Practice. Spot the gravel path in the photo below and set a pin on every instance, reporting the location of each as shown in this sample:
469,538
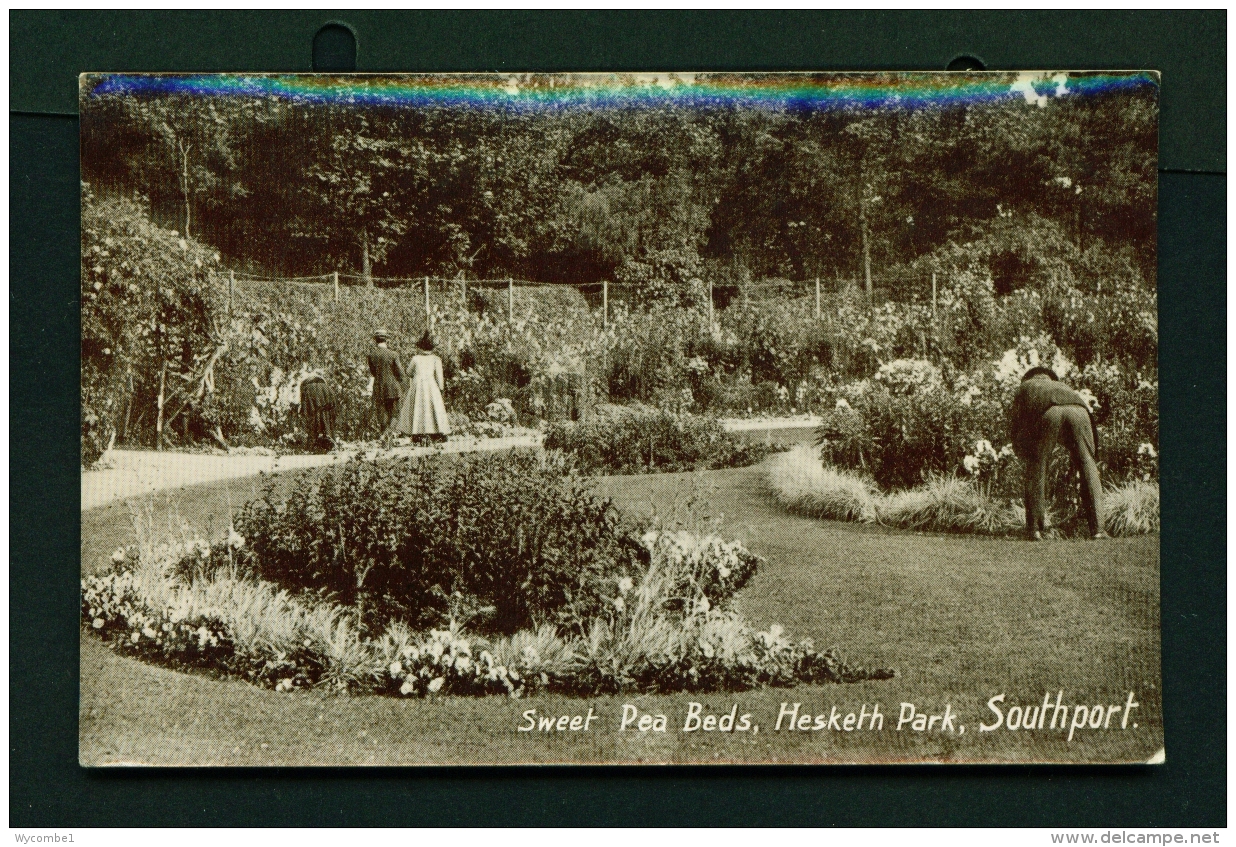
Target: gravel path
133,472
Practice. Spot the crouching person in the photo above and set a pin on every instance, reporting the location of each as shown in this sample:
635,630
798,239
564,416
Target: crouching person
317,408
1045,412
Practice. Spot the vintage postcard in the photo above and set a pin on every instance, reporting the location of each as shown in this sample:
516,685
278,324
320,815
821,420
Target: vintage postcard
619,418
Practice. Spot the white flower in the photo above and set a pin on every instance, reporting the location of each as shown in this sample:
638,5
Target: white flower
842,403
1146,449
462,664
396,668
620,604
435,685
235,540
1092,402
775,630
409,685
703,605
723,571
625,584
119,555
97,623
971,464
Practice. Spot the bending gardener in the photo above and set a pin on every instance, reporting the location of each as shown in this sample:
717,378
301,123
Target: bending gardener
1046,412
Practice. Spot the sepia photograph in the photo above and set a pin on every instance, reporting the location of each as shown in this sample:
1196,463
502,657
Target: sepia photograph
619,418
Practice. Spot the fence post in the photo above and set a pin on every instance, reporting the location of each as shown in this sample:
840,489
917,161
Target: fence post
510,299
335,279
231,284
817,298
605,304
710,305
159,419
427,315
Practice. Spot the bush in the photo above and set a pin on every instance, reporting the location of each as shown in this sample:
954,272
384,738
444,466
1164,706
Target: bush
627,440
97,432
146,297
1106,326
902,439
515,539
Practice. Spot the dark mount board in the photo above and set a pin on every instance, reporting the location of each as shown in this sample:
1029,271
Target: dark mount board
47,788
49,49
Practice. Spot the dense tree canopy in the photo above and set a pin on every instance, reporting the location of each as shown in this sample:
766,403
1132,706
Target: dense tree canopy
655,195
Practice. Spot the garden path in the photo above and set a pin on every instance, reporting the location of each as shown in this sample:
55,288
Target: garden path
133,472
129,473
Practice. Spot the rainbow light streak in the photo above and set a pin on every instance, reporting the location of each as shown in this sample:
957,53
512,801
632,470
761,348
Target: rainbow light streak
559,92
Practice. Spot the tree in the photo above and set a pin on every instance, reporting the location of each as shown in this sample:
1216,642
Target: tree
348,184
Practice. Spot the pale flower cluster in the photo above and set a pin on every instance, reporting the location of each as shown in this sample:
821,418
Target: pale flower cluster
985,461
909,376
702,556
1030,353
445,659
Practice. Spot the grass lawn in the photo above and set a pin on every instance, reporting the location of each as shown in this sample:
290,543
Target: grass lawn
961,619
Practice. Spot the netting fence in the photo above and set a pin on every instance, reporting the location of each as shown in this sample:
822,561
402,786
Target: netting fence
816,297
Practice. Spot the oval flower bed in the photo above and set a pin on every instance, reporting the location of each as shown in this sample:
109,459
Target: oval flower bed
658,619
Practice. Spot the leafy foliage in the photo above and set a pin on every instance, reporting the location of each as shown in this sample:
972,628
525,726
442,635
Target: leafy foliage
654,195
146,319
514,539
625,440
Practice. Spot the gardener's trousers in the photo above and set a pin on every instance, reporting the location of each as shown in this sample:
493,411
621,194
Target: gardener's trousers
1070,426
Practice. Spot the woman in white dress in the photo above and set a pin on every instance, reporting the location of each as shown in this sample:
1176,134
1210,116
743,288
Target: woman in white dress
423,415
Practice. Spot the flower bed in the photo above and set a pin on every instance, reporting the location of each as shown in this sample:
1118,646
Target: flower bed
511,540
802,484
629,440
188,607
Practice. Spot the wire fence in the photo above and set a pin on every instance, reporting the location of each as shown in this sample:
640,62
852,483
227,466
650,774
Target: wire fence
817,293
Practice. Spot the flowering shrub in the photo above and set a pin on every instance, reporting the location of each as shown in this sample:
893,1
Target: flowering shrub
1105,326
999,471
909,376
912,420
625,440
703,567
902,439
515,539
147,296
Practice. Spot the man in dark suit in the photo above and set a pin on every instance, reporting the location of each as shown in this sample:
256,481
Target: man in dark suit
387,380
1045,412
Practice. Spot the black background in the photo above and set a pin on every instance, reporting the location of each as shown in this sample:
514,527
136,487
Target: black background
47,788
